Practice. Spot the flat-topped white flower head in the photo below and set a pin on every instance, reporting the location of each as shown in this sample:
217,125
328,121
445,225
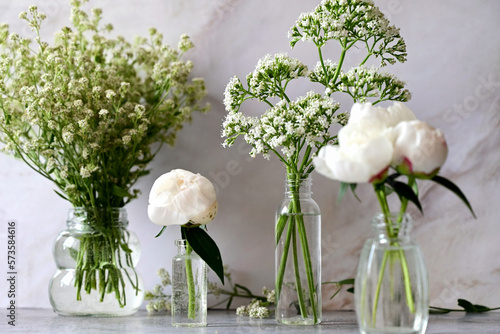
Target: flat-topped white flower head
181,197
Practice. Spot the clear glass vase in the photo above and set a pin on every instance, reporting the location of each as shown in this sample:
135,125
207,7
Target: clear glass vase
391,289
189,287
96,258
298,255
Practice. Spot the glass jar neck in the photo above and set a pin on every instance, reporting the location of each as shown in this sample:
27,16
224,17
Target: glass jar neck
298,185
392,228
181,245
88,219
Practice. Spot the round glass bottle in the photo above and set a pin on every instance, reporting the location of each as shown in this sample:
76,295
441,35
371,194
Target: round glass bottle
298,255
391,289
189,287
96,258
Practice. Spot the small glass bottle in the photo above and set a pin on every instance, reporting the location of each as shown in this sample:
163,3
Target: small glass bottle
189,287
391,289
298,255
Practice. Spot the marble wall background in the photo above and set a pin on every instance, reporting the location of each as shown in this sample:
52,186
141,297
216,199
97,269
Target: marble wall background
453,71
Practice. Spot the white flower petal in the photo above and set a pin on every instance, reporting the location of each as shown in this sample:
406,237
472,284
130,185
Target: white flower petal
421,147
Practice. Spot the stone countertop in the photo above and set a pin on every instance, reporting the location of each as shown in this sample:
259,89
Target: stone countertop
226,322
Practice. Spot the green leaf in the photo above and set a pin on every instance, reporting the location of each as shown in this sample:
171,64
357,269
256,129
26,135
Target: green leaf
353,189
206,248
404,190
120,192
454,188
161,231
472,308
339,284
342,191
61,195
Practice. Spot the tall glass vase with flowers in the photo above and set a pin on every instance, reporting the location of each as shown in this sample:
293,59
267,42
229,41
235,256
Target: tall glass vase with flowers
84,112
183,198
294,130
381,146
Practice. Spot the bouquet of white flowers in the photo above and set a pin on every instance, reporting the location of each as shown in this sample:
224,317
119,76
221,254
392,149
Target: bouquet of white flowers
84,113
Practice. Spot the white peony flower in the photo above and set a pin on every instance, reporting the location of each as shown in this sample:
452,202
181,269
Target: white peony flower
356,163
180,197
376,138
419,148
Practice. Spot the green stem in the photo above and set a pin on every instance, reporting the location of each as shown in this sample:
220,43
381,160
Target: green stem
392,235
379,286
284,257
309,272
299,218
298,283
190,283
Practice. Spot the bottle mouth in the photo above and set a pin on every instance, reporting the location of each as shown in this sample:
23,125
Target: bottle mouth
180,242
80,217
392,226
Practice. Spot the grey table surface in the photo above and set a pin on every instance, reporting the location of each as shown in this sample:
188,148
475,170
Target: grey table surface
227,322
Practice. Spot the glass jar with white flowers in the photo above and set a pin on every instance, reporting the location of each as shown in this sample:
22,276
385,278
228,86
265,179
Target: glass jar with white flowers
381,146
295,129
84,112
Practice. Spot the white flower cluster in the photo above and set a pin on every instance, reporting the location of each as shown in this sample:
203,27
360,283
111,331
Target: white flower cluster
87,113
158,300
362,82
287,127
272,69
256,309
350,21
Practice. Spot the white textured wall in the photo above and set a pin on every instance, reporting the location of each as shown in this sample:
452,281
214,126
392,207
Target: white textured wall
453,71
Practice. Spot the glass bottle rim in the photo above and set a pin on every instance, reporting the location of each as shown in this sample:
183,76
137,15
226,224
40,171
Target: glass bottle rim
85,218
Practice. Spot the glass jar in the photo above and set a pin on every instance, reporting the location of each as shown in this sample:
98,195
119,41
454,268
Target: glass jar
96,258
298,255
189,287
391,288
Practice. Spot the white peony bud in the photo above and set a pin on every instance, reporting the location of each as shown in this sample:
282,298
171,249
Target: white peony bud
180,197
419,149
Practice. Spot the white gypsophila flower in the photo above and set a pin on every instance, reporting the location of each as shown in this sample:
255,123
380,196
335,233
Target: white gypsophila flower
78,103
126,139
64,172
110,94
260,312
103,112
242,311
68,137
85,172
85,153
185,43
179,197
